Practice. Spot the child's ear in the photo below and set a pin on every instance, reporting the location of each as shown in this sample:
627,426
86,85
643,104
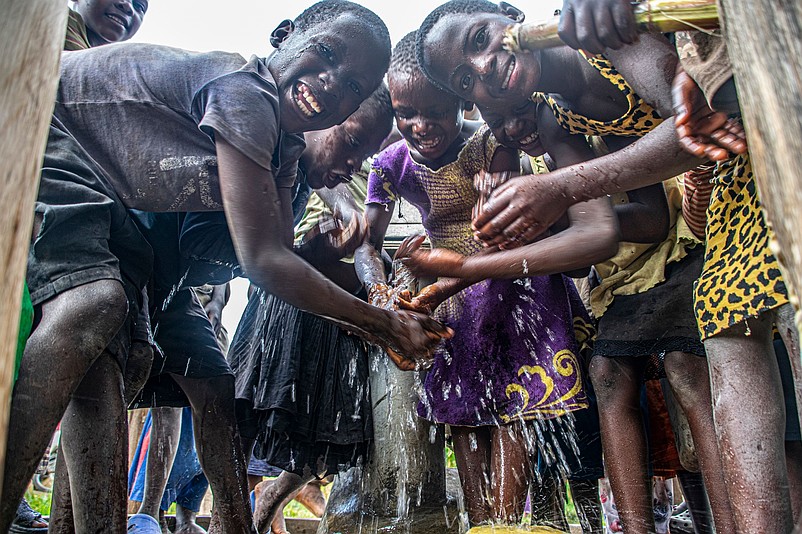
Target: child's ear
282,31
467,106
512,12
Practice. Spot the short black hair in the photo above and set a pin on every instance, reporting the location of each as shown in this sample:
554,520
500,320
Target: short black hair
326,10
404,60
462,7
379,108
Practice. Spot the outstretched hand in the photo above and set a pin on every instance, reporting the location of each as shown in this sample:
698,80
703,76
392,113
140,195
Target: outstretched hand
520,210
596,25
426,301
703,132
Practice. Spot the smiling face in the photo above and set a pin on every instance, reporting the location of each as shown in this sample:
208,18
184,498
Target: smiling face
515,126
429,119
333,155
464,53
325,72
111,21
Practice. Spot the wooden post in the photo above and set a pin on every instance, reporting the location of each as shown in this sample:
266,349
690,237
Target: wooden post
31,39
764,39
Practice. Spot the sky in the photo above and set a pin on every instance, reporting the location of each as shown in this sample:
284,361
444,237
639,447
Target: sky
244,26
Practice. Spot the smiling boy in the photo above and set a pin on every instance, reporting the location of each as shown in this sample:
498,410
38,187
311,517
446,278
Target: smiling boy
161,129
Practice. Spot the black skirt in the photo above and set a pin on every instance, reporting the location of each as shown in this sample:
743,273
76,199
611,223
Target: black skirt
302,388
657,321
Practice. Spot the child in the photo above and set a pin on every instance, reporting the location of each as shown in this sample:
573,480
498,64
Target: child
99,22
501,369
202,132
118,21
302,390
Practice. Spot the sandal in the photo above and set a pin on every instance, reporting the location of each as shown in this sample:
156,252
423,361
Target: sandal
27,520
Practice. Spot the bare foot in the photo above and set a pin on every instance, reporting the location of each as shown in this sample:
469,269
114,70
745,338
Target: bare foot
279,526
312,498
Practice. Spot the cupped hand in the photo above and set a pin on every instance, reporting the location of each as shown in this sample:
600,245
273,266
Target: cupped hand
411,338
703,132
520,210
596,25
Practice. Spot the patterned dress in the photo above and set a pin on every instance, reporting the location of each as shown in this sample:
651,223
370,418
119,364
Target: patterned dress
514,352
740,277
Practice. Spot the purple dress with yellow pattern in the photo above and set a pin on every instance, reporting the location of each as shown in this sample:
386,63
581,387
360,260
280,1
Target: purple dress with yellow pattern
514,351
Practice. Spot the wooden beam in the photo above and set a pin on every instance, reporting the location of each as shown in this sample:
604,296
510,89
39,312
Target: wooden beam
31,39
764,39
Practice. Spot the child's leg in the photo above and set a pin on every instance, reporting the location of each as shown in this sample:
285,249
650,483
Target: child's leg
750,422
689,379
472,452
588,507
312,498
617,386
186,521
547,503
793,459
274,497
61,520
165,434
693,488
75,327
219,449
94,435
510,473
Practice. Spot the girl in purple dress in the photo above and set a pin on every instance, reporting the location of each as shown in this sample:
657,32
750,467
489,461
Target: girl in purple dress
513,357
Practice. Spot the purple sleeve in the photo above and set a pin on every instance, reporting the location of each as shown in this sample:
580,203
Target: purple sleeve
383,176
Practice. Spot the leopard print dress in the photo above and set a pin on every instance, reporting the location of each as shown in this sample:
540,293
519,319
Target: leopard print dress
741,277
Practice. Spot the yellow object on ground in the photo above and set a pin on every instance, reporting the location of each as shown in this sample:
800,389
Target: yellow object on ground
509,529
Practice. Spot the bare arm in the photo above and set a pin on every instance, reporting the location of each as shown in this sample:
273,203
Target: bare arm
258,228
591,236
645,218
530,206
367,258
214,309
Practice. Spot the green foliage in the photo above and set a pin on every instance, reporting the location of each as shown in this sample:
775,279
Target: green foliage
39,501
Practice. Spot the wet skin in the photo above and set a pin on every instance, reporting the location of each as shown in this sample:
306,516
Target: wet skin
515,126
333,155
596,25
465,55
323,74
429,120
111,21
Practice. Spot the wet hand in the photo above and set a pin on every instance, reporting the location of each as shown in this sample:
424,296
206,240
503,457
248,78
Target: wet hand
703,132
435,262
411,338
381,296
426,301
596,25
520,210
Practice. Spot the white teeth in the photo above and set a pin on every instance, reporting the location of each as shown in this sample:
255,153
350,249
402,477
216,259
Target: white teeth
117,19
529,139
509,74
428,144
309,98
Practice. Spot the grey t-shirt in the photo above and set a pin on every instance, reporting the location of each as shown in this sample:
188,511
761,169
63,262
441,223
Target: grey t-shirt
147,114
